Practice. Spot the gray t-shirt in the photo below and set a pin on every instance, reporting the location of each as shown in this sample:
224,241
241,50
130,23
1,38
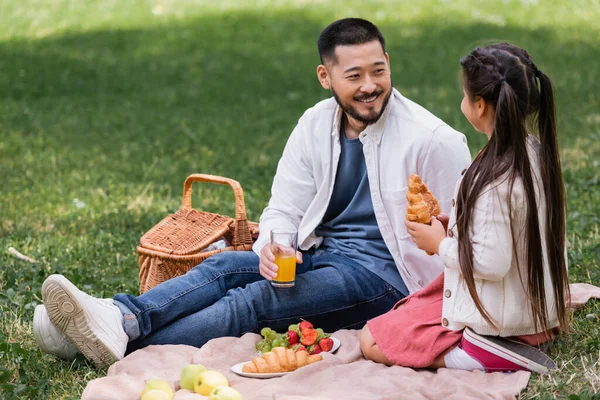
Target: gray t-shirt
349,225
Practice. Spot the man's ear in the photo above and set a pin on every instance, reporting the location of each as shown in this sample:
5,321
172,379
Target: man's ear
323,76
387,59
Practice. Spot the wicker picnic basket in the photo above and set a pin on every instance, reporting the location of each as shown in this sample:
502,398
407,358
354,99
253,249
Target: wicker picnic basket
178,242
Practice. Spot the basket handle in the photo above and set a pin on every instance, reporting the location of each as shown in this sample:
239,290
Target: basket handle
241,234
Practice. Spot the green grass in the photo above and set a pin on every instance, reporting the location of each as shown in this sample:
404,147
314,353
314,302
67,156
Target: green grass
110,104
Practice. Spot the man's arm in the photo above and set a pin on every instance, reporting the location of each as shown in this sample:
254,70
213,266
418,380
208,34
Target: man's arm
445,158
293,188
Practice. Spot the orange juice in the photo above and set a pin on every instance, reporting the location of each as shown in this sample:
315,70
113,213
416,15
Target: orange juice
287,268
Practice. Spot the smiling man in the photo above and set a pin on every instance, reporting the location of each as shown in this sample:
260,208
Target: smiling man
362,76
341,184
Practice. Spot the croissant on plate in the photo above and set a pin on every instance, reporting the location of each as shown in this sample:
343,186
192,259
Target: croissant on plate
422,205
280,359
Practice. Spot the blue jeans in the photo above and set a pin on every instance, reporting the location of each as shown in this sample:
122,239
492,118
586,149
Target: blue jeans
227,296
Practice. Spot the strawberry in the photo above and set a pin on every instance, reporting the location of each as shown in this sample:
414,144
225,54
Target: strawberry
299,347
309,336
293,337
326,344
304,325
314,349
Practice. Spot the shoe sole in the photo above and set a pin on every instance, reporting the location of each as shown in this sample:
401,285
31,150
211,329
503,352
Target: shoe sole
515,352
67,314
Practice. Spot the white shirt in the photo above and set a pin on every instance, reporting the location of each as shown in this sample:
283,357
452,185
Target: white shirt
496,264
406,140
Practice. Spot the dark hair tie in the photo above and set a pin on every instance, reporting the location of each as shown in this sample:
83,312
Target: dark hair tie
501,81
538,73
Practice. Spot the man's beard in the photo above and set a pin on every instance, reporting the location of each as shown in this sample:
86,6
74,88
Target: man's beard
353,112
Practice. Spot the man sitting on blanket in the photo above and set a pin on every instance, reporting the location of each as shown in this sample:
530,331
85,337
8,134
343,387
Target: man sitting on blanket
340,183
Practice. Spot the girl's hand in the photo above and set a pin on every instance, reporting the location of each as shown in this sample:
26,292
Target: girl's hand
444,219
427,237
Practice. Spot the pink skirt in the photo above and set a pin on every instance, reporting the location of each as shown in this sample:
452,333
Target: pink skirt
411,334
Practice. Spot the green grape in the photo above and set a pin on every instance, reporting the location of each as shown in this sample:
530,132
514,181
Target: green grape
266,347
320,333
277,342
259,344
294,327
272,335
265,331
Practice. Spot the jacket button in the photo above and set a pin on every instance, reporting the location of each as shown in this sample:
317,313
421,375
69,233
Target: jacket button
447,293
450,233
453,203
445,322
463,171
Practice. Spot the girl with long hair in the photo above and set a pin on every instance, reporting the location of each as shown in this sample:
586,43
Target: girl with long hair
505,285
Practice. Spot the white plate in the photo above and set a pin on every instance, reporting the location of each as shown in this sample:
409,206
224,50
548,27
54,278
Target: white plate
336,344
237,368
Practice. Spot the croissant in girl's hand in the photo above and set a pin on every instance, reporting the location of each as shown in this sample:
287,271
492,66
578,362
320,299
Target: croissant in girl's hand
422,205
280,359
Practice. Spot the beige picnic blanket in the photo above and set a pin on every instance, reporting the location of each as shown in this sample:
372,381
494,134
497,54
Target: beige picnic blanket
345,375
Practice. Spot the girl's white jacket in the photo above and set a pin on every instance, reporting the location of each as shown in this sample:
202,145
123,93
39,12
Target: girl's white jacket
496,265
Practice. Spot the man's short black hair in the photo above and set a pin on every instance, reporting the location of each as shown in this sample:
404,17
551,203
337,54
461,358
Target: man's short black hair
344,32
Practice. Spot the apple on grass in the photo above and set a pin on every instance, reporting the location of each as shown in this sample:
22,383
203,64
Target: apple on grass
157,384
224,393
189,374
156,394
209,380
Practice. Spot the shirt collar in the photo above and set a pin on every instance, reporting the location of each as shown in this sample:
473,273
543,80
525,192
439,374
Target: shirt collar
375,130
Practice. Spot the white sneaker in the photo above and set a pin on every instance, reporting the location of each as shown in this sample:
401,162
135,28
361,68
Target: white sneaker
49,338
93,325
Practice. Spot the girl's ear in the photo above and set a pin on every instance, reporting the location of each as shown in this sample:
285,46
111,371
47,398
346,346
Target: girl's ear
481,107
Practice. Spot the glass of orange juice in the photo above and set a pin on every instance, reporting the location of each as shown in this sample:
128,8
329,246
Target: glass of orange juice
284,245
